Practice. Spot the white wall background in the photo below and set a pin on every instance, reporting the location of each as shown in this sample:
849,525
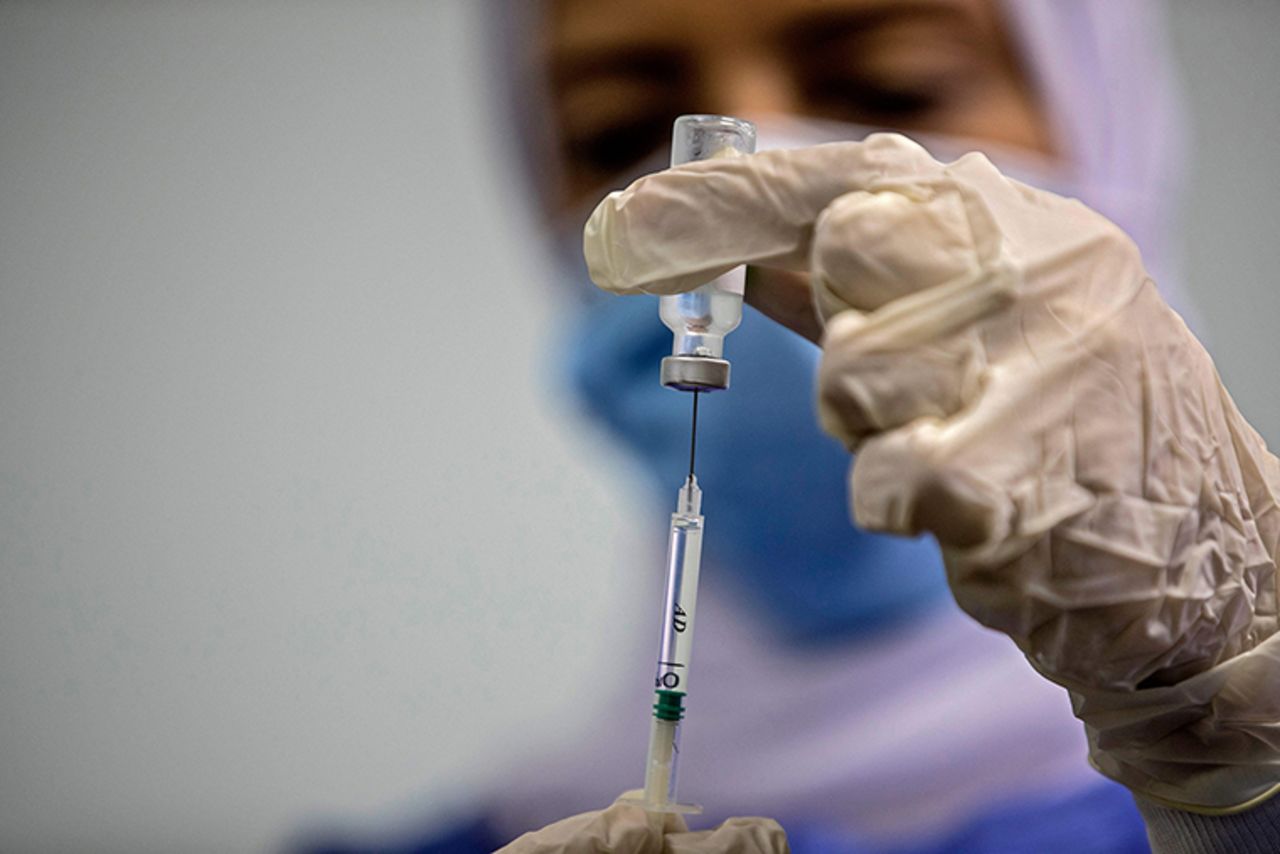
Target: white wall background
1231,75
289,526
291,521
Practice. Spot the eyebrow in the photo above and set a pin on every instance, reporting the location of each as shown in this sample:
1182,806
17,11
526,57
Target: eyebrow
829,25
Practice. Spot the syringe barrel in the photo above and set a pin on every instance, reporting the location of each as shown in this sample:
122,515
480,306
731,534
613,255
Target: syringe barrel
680,602
679,608
701,318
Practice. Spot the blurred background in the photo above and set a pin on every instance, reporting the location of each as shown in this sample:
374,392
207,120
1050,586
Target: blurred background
298,527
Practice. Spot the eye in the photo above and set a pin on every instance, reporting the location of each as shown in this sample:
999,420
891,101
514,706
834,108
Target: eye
905,66
615,148
897,104
876,103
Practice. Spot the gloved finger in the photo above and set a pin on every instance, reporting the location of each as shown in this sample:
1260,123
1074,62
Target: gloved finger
905,482
735,836
677,229
919,356
990,479
865,391
927,266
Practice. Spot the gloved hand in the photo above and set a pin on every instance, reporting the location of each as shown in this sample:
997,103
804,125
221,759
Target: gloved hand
628,829
1011,382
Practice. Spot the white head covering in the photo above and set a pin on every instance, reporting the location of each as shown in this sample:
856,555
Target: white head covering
1104,72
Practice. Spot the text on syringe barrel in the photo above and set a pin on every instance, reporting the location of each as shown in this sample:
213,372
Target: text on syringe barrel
684,558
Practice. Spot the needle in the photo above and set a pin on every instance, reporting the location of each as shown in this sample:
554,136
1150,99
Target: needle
693,434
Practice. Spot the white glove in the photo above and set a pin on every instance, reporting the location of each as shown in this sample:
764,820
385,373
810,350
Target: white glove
628,829
1012,383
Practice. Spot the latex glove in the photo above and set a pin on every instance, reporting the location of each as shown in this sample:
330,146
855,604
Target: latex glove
1011,382
628,829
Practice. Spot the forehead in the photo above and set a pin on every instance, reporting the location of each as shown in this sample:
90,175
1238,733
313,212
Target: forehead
591,24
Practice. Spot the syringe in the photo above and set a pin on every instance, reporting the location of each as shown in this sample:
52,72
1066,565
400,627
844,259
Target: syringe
699,320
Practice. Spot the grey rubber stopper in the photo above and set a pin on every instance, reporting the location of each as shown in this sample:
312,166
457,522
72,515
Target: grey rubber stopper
695,373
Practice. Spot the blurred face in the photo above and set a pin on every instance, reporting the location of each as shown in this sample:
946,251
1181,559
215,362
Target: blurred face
622,70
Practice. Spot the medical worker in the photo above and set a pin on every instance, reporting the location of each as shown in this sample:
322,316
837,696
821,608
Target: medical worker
1014,393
